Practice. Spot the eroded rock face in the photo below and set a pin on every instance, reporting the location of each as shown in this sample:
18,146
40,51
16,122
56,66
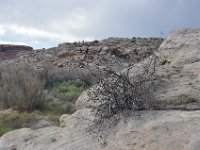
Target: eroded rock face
165,130
7,47
178,69
152,130
12,51
114,52
74,136
84,101
177,72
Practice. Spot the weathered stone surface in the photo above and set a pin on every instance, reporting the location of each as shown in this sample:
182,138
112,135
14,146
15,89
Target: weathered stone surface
177,72
154,130
63,119
167,130
84,101
40,124
73,137
178,69
112,51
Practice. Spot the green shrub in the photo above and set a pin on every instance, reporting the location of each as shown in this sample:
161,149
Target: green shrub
68,90
15,120
4,130
53,118
53,108
26,89
69,108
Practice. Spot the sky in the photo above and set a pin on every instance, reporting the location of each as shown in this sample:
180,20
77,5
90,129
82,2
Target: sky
46,23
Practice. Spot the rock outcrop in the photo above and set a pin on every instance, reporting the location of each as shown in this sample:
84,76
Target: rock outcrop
155,130
12,51
177,73
73,137
114,52
109,52
7,47
178,69
178,87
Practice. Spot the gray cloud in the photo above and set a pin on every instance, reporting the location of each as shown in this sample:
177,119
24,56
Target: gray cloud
45,23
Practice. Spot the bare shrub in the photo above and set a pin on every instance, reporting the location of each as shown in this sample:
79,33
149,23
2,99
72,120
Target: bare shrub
20,88
117,92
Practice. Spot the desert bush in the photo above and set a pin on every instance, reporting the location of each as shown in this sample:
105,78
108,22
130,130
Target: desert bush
20,88
71,89
4,130
53,108
14,120
52,75
117,92
67,92
26,89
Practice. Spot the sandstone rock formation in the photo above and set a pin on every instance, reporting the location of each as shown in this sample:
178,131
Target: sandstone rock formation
166,130
114,52
84,101
178,87
109,52
178,70
73,137
12,51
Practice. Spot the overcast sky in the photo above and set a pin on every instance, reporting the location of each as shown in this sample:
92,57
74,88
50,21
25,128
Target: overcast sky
46,23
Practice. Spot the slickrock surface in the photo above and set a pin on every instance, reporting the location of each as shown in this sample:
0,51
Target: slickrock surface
155,130
179,70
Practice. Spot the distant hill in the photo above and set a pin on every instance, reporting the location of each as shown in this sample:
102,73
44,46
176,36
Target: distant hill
8,51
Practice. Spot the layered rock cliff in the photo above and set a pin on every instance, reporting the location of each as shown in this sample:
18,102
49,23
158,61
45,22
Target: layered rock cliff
13,51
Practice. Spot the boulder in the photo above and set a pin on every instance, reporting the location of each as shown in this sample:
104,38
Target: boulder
63,119
178,69
84,101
